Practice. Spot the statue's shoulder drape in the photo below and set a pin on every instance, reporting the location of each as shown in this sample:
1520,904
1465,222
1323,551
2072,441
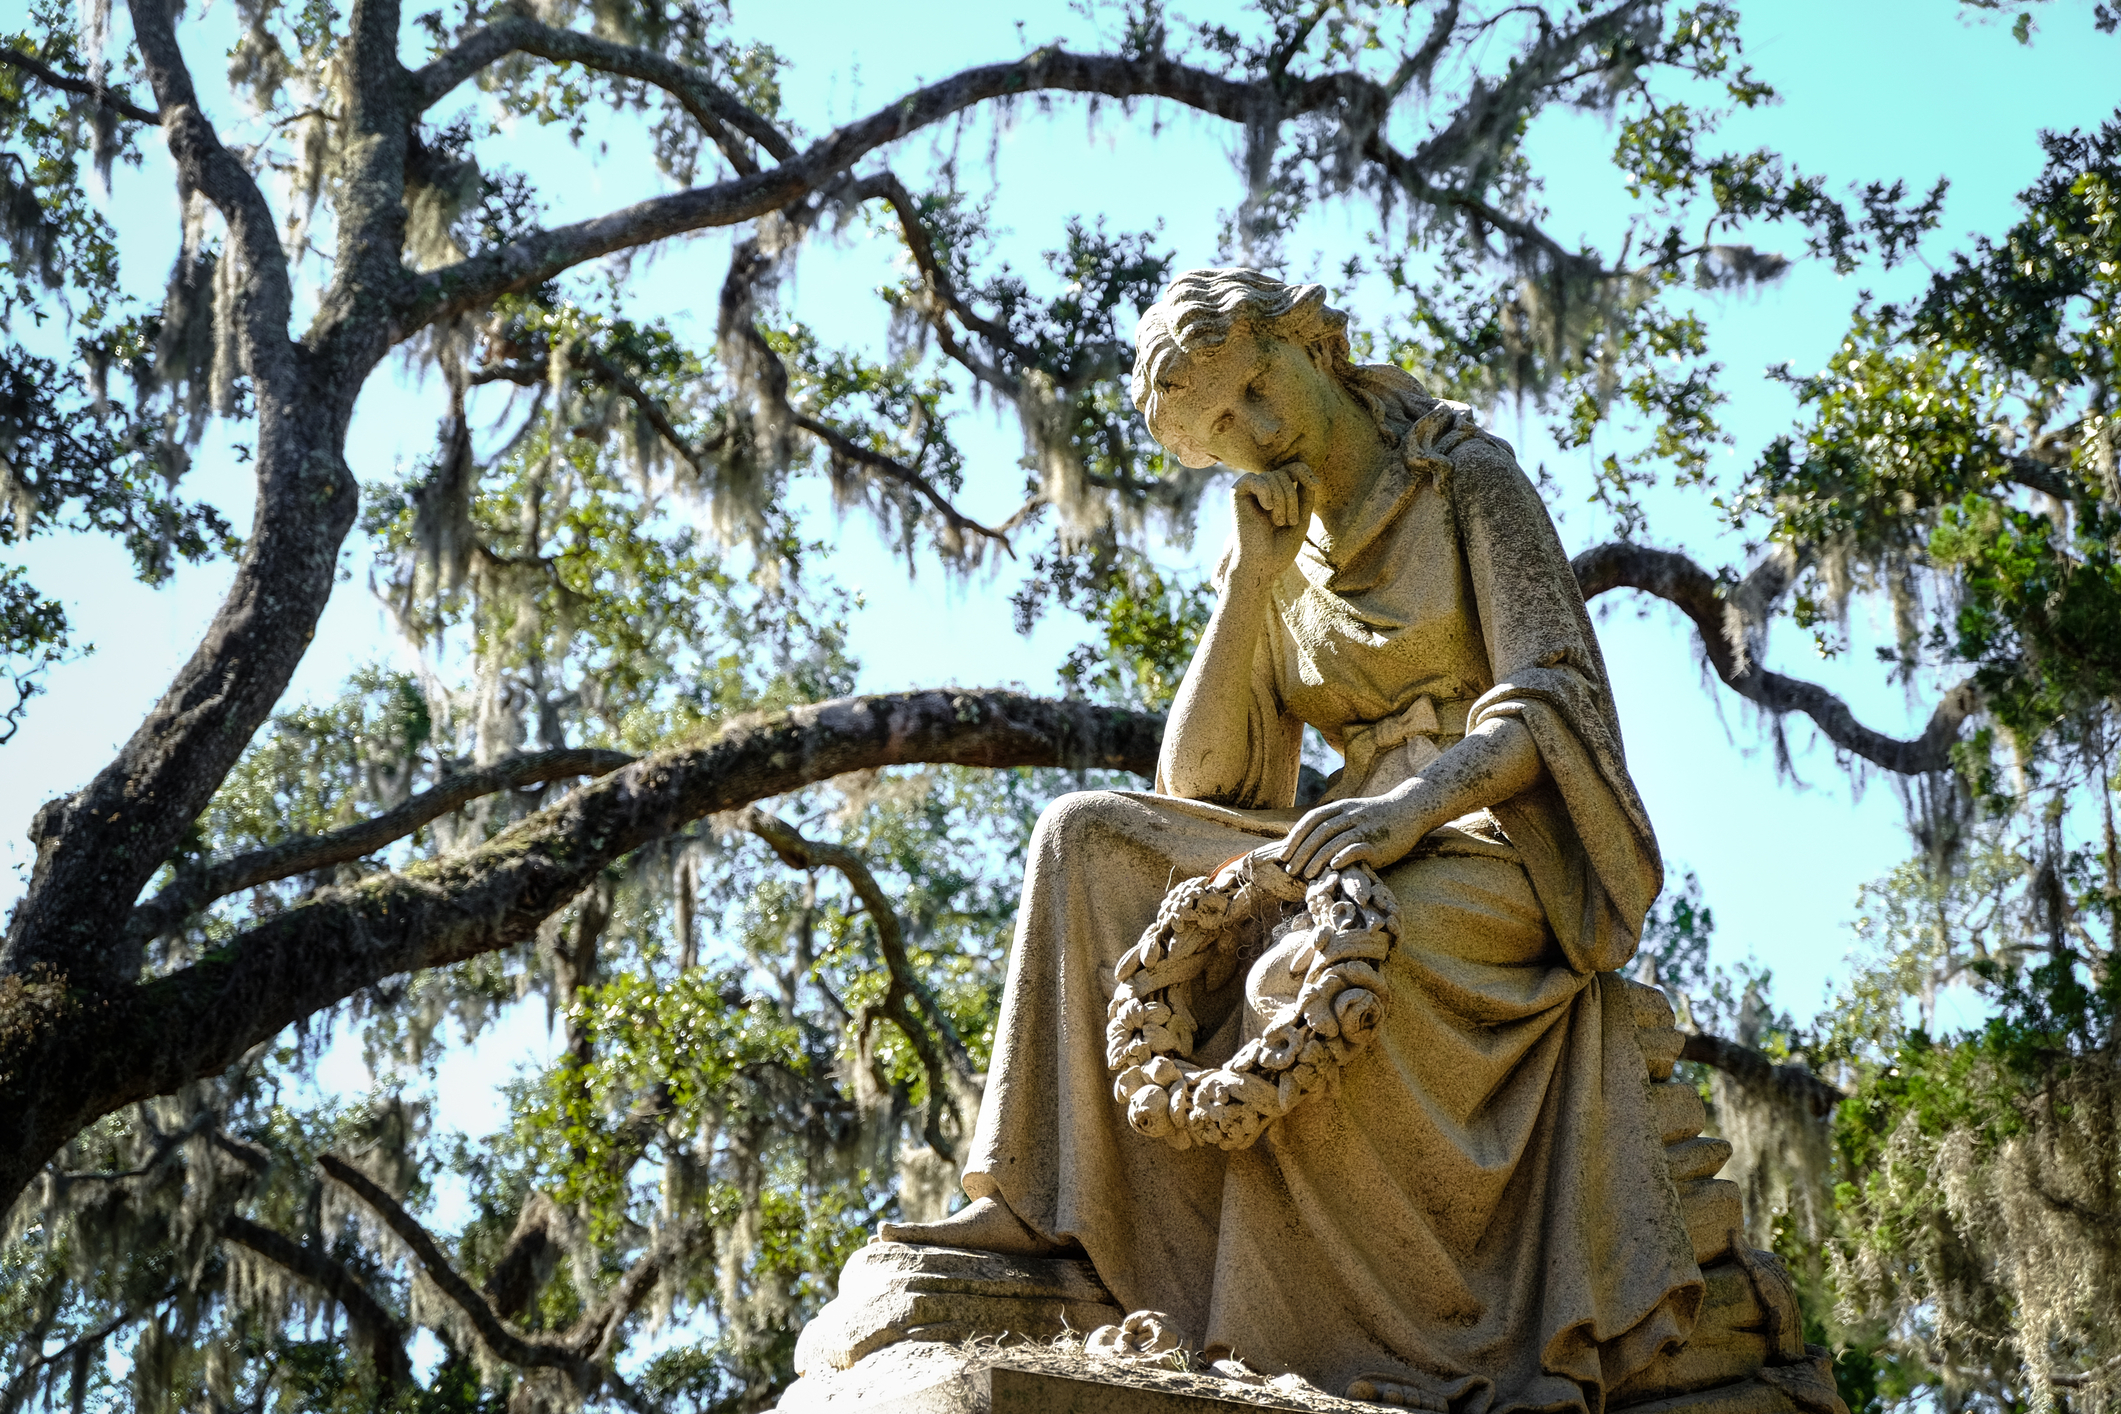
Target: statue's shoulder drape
1583,833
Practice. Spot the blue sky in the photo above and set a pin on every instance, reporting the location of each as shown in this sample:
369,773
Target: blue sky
1881,90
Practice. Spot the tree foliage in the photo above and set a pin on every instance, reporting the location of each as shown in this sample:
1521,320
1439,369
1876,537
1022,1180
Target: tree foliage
1957,465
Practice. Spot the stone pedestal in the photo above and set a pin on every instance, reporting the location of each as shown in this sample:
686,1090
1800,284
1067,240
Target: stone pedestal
919,1377
932,1330
928,1377
891,1292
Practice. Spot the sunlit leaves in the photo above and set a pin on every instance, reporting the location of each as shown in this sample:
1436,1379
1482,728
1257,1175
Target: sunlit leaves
1147,623
33,638
2042,620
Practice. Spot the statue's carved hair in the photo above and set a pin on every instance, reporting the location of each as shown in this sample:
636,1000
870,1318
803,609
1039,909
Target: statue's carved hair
1201,309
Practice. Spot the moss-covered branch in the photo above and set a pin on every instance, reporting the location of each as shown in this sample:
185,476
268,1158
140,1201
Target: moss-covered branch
67,1058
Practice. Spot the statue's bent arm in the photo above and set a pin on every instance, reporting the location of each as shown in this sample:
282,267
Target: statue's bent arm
1493,762
1209,748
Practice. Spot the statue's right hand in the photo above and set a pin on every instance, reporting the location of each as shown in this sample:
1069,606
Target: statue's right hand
1272,511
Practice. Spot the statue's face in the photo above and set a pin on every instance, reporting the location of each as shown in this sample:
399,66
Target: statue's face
1254,403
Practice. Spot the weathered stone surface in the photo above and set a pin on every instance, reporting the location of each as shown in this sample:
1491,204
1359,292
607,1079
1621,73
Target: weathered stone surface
1804,1385
1678,1111
891,1292
1729,1342
928,1377
1711,1209
1808,1383
1652,1008
1752,1396
1701,1157
1661,1046
1699,1364
925,1377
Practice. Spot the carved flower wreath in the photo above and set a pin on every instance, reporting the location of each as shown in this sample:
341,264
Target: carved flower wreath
1349,922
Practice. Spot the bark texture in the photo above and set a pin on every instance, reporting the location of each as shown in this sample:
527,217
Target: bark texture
69,1054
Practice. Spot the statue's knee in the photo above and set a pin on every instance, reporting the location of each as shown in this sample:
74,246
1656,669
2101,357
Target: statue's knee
1073,818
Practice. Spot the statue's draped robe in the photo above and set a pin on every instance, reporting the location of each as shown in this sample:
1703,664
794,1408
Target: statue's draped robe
1482,1210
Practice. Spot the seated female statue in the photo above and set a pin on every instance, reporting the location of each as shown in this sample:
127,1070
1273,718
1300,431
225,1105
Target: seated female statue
1477,1218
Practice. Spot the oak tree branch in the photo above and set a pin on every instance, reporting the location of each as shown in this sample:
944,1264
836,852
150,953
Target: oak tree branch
91,1054
101,93
197,886
942,1052
504,1340
1727,632
1757,1068
375,1330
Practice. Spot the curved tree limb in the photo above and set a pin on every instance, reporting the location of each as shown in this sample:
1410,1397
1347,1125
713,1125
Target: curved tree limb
375,1331
708,105
582,358
1361,102
712,106
91,1054
1755,1067
2080,1378
199,885
511,1282
101,93
652,408
941,1050
2044,477
747,266
943,296
845,448
1730,623
582,1354
520,1348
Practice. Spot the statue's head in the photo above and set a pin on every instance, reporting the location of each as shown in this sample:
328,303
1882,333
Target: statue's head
1204,350
1199,316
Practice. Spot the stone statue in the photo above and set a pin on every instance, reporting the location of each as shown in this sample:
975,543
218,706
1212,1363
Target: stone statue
1354,1092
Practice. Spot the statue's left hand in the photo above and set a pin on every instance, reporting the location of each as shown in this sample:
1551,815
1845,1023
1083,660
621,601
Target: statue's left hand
1374,830
1442,432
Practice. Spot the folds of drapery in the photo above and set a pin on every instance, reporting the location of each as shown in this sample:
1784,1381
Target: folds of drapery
1583,832
1452,588
1482,1211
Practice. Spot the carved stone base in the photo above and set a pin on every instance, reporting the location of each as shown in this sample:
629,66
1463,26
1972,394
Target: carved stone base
904,1313
927,1377
1803,1386
892,1292
919,1377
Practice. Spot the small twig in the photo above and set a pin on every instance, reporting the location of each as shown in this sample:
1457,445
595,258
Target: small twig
652,408
2084,1377
941,1050
167,1146
1278,62
18,1388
